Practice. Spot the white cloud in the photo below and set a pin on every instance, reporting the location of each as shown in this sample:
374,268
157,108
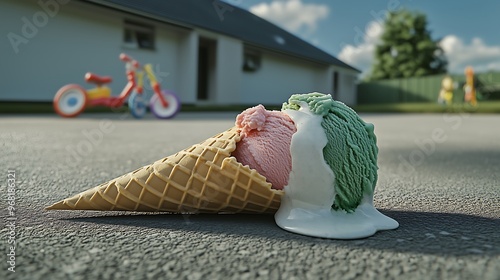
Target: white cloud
292,15
476,54
361,55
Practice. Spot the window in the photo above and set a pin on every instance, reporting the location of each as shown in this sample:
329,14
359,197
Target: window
138,35
251,61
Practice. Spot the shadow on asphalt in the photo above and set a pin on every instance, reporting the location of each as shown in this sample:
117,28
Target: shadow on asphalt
419,232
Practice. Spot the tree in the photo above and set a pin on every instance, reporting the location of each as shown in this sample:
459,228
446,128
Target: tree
407,49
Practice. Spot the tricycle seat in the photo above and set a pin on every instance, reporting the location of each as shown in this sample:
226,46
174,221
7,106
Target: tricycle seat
96,79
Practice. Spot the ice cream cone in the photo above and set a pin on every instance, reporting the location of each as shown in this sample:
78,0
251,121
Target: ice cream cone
204,178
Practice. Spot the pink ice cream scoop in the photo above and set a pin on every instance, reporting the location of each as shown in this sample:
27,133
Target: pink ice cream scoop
265,143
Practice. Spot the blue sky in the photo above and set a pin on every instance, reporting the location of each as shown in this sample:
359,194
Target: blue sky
469,30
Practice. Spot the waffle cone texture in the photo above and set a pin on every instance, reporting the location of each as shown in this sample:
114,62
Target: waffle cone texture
203,178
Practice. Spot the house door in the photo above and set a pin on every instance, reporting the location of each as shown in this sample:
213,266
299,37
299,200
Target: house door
335,95
206,69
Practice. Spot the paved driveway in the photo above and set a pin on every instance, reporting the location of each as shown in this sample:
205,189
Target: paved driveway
439,177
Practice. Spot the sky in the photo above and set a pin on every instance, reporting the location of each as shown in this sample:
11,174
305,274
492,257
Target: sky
468,31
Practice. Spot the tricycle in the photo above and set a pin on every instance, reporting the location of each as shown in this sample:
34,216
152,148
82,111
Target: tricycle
72,99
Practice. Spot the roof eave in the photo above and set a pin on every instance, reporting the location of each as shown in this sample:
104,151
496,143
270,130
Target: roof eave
135,12
192,27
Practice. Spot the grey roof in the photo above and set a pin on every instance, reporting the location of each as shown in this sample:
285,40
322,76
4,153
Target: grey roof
221,17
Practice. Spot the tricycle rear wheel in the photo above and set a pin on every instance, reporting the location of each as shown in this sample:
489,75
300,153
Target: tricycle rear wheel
70,101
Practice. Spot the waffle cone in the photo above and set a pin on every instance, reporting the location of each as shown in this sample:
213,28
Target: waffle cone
204,178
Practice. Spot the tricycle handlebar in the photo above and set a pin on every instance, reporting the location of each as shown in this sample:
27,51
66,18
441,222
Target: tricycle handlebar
127,59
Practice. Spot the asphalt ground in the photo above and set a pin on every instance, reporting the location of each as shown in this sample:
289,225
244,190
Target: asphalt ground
439,177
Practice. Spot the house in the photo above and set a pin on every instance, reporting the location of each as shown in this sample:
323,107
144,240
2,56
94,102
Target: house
206,51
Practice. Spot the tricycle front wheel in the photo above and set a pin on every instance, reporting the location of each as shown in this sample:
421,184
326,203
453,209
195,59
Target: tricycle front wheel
70,101
173,107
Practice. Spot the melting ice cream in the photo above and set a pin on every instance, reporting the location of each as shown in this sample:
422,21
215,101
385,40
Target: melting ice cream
333,172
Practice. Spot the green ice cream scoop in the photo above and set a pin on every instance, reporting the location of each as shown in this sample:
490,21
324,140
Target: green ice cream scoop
351,151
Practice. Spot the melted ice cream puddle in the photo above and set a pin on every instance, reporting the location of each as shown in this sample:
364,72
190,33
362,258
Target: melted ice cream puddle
306,205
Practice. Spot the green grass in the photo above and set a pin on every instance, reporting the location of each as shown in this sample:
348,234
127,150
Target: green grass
483,107
43,108
46,108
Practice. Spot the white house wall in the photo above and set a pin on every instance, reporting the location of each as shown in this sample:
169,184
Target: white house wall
229,61
187,62
78,38
280,76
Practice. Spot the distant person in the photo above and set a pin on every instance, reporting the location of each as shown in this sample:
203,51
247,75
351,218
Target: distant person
469,87
446,93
